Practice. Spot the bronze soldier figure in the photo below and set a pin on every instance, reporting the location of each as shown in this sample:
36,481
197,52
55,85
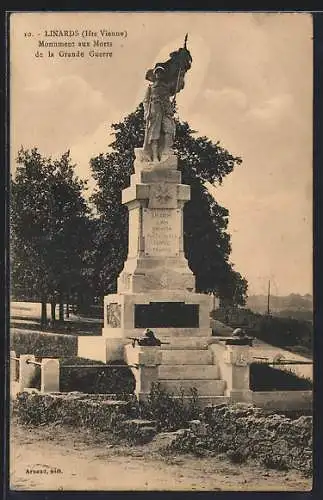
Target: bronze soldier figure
167,80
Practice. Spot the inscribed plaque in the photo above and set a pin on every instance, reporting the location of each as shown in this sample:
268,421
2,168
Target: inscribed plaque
162,231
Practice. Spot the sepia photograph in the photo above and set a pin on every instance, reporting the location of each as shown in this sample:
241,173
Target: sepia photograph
161,242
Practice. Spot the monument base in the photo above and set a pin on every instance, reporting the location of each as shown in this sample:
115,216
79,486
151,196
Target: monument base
180,318
101,348
169,313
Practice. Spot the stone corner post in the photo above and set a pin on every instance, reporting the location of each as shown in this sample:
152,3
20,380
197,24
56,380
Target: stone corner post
49,380
147,360
13,363
26,371
236,372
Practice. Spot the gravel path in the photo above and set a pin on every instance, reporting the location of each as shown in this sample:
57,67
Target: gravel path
60,459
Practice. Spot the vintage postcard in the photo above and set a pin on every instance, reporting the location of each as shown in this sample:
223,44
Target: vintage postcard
161,304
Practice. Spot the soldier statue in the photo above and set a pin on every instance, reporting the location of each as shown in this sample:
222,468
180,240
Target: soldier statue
167,79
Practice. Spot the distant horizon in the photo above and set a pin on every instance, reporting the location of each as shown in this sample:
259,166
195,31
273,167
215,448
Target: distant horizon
277,295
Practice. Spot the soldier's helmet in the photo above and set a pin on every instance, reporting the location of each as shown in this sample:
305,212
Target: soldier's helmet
158,68
238,332
149,333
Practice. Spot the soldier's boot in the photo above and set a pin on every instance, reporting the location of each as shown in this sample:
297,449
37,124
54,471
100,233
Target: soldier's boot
168,145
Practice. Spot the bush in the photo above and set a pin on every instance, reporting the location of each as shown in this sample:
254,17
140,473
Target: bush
92,380
45,345
266,378
170,413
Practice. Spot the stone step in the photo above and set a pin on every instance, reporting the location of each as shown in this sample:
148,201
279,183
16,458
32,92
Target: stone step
183,333
188,371
204,387
187,357
186,342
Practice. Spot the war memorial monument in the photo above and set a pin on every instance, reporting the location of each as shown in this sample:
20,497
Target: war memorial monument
156,288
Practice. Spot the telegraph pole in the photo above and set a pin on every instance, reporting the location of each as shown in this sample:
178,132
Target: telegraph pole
268,299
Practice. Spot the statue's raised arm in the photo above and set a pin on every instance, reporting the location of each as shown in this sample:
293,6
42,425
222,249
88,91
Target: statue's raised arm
167,79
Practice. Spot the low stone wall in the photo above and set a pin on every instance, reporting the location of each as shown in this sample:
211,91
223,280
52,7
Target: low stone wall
283,400
240,431
96,411
243,432
100,413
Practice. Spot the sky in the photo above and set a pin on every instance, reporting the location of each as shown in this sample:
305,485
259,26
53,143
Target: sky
250,87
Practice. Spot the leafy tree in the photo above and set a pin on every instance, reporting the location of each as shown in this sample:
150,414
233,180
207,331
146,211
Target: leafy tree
50,228
206,241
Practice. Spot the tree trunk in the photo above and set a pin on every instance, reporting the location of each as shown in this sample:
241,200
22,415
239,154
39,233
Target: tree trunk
77,302
61,311
53,311
80,303
43,318
67,307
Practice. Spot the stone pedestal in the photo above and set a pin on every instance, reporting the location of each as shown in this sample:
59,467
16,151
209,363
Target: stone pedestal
155,201
156,287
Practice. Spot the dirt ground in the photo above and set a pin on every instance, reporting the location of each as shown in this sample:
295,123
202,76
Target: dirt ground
56,458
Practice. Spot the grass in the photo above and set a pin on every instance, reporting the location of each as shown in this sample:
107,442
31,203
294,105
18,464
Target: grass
266,378
75,327
42,344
